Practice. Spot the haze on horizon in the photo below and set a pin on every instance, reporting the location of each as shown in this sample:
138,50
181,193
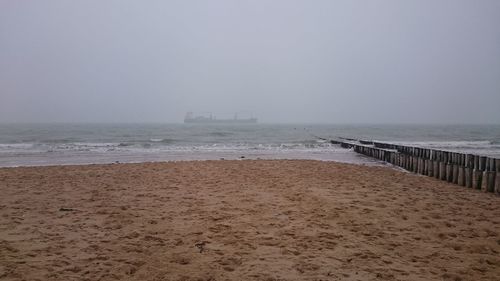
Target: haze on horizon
415,61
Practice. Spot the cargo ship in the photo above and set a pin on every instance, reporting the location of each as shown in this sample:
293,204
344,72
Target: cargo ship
212,119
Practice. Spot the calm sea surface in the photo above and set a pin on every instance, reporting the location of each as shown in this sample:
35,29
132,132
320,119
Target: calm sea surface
55,144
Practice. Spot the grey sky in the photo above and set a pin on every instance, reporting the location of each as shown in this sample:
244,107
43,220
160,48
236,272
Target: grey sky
285,61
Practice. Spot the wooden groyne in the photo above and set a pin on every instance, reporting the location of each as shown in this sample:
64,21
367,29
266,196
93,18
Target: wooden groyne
472,171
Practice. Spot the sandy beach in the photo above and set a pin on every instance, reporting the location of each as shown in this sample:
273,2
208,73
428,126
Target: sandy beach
243,220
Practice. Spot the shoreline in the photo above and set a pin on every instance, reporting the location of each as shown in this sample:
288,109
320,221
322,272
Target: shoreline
34,160
243,220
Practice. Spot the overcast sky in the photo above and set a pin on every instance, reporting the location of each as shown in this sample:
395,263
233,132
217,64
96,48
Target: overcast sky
308,61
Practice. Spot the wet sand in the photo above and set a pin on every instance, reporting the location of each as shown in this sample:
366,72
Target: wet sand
243,220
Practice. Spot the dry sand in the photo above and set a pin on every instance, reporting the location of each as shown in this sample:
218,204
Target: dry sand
243,220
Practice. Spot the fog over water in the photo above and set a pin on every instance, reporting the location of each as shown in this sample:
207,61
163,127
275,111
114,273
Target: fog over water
283,61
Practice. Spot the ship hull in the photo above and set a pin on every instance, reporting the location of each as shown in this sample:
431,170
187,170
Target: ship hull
221,121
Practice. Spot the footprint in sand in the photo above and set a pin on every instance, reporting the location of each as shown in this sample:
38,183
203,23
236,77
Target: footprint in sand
180,260
229,263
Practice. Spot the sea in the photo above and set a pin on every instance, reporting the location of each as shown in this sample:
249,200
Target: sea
63,144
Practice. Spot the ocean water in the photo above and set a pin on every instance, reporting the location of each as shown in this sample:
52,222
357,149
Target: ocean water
56,144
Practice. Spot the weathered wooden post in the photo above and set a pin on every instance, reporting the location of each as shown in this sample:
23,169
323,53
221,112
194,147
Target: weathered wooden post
469,165
442,166
437,159
461,170
461,176
415,159
430,168
449,172
485,169
449,168
426,162
422,161
478,173
490,175
455,168
407,159
410,159
497,176
419,161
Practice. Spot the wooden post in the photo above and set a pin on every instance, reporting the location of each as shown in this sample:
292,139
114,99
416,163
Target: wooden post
409,164
482,163
484,168
468,177
444,162
420,169
462,160
461,170
455,173
424,166
497,176
421,164
476,179
429,163
430,168
484,181
490,186
449,172
435,165
461,176
491,175
469,166
449,168
478,174
442,171
415,160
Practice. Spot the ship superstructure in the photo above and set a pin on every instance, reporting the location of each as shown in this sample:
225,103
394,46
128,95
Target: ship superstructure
212,119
